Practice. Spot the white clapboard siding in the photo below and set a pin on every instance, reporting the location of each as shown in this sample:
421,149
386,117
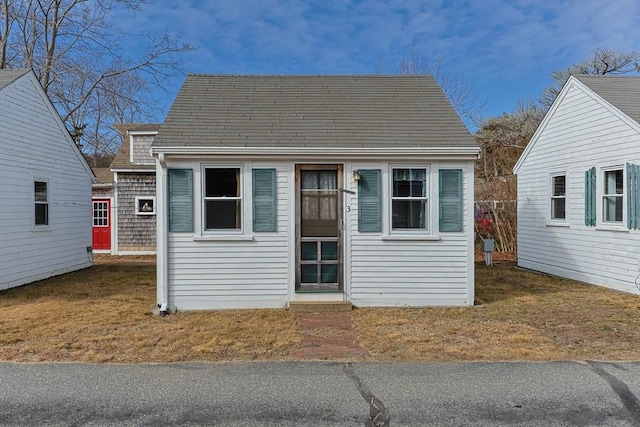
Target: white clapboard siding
581,133
233,274
35,146
387,272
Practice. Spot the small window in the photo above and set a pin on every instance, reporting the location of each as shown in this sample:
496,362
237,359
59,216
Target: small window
558,197
613,195
409,199
41,198
145,205
222,199
100,214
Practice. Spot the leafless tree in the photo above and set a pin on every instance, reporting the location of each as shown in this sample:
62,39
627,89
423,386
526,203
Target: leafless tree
502,140
461,93
602,62
74,48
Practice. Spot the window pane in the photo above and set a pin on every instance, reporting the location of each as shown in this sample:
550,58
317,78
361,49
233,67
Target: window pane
329,273
309,273
309,251
558,208
42,214
222,214
221,182
612,208
40,190
329,251
613,182
559,185
409,182
409,214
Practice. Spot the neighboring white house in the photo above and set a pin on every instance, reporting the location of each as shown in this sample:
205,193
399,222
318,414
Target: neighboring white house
273,189
578,185
45,187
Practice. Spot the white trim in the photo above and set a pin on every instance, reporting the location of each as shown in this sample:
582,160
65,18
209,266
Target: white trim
220,238
322,154
162,233
41,227
392,237
245,211
114,218
550,197
600,183
136,253
150,170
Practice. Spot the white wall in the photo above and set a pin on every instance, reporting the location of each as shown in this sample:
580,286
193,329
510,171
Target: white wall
581,133
34,147
257,269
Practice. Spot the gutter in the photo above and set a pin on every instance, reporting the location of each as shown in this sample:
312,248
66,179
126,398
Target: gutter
162,273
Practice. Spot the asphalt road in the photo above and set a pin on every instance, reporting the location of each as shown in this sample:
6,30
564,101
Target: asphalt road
321,394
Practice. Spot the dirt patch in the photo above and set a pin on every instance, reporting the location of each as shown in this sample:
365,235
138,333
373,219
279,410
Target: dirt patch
102,314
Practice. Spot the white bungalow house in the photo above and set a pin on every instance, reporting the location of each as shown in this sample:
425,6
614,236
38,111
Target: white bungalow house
45,187
578,185
275,189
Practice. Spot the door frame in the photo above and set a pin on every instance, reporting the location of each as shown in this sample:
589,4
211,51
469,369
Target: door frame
330,294
111,225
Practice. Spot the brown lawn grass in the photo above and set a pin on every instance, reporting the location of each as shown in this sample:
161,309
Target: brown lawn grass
103,314
519,315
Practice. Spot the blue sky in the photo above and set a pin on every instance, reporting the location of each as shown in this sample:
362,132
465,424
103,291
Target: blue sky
506,48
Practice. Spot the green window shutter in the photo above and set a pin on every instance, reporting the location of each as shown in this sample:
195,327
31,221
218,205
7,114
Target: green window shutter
370,200
633,196
264,200
590,197
180,200
451,204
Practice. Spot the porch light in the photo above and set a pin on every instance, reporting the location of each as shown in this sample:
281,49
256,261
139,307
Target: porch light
356,175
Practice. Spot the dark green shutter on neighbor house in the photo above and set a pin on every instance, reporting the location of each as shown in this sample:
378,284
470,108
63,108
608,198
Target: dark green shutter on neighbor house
633,196
370,200
590,197
264,200
450,199
180,203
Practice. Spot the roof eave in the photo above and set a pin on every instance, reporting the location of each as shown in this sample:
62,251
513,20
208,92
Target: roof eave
320,153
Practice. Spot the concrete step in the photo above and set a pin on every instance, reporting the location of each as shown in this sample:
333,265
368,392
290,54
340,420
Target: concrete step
319,306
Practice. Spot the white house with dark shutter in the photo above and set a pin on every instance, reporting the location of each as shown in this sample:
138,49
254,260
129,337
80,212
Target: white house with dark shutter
45,187
275,189
579,185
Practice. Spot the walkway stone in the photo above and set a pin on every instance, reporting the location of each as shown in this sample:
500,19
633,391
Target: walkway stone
327,336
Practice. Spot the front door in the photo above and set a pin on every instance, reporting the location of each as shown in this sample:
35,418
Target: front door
101,224
319,228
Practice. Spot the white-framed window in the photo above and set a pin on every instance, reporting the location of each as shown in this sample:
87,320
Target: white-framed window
41,201
100,213
613,195
559,197
222,198
145,205
409,198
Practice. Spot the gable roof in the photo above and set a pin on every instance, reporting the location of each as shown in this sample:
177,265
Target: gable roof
623,92
311,111
619,94
122,159
103,176
9,76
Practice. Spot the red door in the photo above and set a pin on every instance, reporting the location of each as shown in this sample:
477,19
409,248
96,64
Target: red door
101,224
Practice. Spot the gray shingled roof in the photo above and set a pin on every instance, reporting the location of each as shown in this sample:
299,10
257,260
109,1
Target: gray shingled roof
623,92
122,159
313,111
103,175
8,76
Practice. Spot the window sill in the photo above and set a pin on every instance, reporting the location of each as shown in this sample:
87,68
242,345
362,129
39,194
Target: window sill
618,228
41,229
408,237
558,224
222,238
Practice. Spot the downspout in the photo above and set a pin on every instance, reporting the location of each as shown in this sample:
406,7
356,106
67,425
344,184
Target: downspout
162,236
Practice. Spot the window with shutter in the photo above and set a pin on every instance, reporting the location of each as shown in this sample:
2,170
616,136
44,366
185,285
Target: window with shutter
451,203
370,200
264,200
180,203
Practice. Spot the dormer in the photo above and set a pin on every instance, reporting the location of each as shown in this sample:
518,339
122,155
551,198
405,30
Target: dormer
134,153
